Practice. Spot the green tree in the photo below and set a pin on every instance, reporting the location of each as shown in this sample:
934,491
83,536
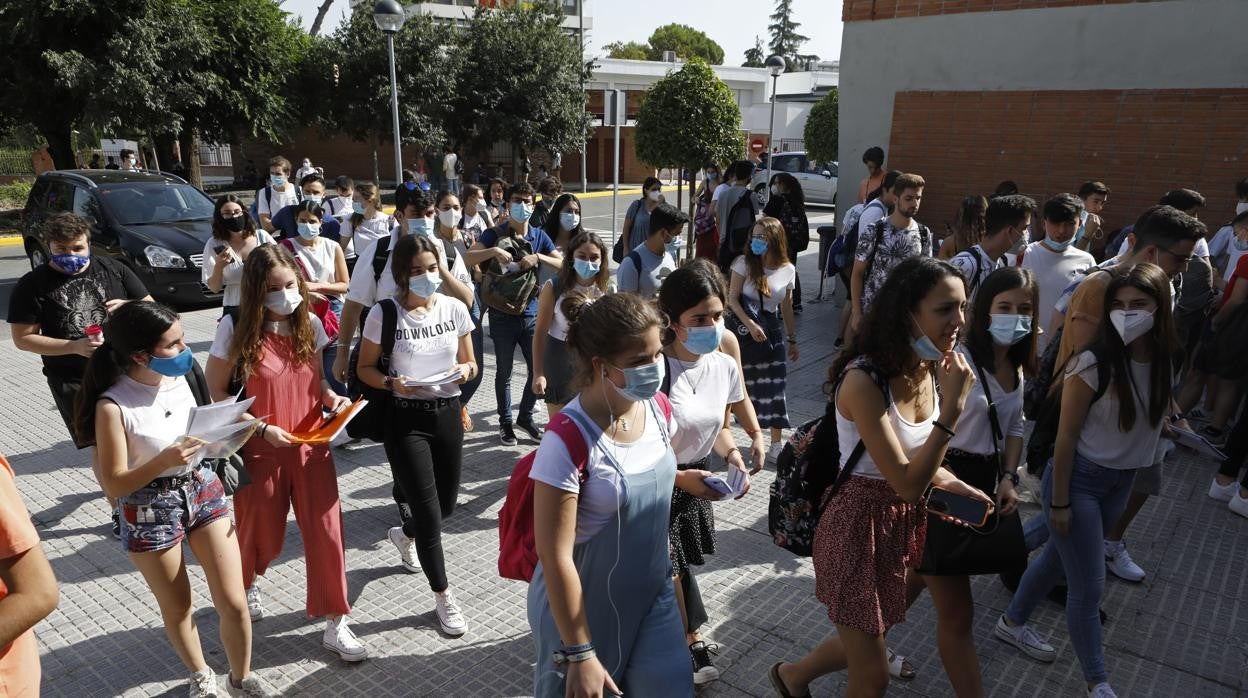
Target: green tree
354,100
785,41
821,134
630,51
754,57
689,118
687,42
531,95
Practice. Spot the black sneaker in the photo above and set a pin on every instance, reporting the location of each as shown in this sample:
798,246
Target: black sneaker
797,309
529,428
703,670
117,524
506,434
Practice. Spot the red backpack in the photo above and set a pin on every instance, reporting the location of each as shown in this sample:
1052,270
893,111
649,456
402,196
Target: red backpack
517,549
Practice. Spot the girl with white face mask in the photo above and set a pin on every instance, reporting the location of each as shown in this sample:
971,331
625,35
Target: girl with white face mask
637,217
595,633
324,267
431,357
1114,399
704,385
274,350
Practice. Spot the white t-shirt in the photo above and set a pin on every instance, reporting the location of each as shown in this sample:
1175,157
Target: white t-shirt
225,334
967,261
601,498
425,344
268,205
232,275
1233,255
319,258
448,165
1054,272
559,323
154,416
974,429
871,213
337,206
1203,247
1100,440
910,435
366,291
369,230
700,391
780,281
719,189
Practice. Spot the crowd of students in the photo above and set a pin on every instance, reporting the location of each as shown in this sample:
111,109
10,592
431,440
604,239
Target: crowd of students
647,369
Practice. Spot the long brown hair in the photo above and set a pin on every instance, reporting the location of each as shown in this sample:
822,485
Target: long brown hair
247,344
368,192
970,224
605,327
777,251
569,279
1108,346
978,339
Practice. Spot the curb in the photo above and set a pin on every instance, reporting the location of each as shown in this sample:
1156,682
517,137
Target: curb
7,240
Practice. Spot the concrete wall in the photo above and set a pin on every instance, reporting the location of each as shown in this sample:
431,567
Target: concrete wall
1180,44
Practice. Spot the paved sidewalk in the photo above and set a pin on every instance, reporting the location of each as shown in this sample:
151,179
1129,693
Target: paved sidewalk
1179,633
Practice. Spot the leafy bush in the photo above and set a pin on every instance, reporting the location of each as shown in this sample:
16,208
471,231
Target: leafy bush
13,195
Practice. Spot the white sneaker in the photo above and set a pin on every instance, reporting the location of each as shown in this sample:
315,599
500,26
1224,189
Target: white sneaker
1101,690
255,604
339,638
1239,505
1026,640
203,685
406,547
773,453
1223,493
1119,561
251,687
450,617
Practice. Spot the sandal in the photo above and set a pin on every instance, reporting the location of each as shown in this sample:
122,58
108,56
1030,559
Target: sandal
778,683
899,667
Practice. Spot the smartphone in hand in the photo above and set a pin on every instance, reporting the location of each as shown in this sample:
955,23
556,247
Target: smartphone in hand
972,512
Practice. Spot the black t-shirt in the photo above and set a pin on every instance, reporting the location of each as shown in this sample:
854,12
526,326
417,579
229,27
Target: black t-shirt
63,306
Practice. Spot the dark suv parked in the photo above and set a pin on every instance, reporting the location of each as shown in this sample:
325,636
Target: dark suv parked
154,223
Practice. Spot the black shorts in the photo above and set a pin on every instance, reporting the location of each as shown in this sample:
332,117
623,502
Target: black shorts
1213,359
63,394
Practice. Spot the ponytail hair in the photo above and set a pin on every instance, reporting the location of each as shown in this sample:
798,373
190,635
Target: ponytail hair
604,327
135,328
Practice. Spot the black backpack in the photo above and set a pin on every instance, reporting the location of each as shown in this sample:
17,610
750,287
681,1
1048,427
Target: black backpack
1045,407
734,239
231,471
808,472
370,422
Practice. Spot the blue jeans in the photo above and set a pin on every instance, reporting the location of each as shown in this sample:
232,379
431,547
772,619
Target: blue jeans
508,331
1098,496
1036,530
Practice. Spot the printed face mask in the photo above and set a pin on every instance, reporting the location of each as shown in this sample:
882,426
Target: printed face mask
283,302
758,247
641,382
172,366
1131,324
1008,330
704,340
71,263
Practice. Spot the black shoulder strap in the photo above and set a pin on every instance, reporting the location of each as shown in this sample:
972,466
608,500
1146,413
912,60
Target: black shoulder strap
666,387
199,385
636,257
451,253
380,257
993,420
389,324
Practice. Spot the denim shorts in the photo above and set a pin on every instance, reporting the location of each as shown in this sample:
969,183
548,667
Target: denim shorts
159,515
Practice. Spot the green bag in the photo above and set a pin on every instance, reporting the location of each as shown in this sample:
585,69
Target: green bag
509,291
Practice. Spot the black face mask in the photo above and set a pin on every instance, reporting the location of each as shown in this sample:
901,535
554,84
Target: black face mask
235,224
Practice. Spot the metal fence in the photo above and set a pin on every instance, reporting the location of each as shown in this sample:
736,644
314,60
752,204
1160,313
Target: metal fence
213,155
16,162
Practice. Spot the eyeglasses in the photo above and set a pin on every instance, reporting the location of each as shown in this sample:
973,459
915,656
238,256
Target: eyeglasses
1183,260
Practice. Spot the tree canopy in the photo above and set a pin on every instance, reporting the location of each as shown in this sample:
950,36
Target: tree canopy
785,41
689,118
754,57
628,50
821,133
688,43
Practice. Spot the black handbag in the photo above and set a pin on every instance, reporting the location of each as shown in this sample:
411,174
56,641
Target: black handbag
993,548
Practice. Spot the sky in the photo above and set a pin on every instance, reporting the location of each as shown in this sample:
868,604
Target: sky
731,23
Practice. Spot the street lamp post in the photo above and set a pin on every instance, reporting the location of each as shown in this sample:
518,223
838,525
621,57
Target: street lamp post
775,65
389,16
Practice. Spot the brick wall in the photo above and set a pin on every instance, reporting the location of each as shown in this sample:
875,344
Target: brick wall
859,10
1141,143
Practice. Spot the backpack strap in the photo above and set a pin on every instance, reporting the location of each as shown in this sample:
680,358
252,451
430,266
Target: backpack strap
198,384
564,425
993,419
380,257
290,245
863,364
389,324
666,387
636,258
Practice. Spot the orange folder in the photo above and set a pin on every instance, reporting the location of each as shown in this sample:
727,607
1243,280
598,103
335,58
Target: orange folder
331,427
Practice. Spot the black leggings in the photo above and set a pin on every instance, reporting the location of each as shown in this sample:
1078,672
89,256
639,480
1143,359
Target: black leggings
425,447
1236,450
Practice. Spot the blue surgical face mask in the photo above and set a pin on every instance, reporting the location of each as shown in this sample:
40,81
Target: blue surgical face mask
641,382
314,198
307,231
569,220
172,366
521,212
1083,227
704,340
923,345
1008,330
420,226
585,268
71,263
277,180
357,207
1057,246
425,285
758,247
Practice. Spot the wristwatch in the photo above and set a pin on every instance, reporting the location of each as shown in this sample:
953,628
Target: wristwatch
1012,476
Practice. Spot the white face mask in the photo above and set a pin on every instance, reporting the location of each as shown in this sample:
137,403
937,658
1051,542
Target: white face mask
450,217
1241,207
654,195
283,302
1131,324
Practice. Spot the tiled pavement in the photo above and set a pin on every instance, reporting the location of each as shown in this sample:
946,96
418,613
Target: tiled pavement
1182,632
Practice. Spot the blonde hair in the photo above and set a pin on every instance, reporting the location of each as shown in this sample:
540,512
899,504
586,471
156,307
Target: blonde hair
247,344
777,250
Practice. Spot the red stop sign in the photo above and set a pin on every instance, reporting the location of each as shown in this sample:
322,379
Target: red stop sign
757,145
